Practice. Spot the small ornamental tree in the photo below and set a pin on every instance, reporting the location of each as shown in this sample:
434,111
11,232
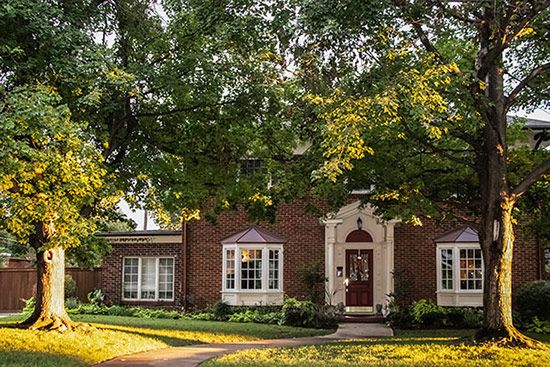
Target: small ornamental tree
49,174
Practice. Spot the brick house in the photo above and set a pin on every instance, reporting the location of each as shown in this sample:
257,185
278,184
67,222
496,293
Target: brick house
363,257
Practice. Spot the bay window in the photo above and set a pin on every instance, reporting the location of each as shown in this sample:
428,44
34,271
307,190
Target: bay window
460,268
148,279
252,268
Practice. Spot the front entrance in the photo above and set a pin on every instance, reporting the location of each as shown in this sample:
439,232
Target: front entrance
359,289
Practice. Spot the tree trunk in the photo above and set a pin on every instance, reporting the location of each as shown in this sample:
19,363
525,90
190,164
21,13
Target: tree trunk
497,296
496,232
49,312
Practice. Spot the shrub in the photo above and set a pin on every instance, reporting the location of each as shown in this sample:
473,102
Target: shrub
205,316
400,318
245,316
298,313
472,319
533,300
539,326
96,297
307,314
115,310
70,287
327,317
29,306
428,314
221,311
313,277
72,303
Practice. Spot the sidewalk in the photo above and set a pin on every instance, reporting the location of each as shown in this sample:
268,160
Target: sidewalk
193,355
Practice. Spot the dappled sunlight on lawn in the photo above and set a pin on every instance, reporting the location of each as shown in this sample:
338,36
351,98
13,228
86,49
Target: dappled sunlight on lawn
180,337
397,352
115,335
105,342
86,346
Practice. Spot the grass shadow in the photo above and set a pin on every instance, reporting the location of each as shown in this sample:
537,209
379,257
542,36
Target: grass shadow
172,341
27,358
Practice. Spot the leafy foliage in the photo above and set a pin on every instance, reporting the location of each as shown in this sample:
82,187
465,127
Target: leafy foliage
313,278
532,300
424,314
70,287
539,326
49,171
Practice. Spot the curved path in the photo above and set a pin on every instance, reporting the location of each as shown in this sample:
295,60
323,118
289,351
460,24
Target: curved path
193,355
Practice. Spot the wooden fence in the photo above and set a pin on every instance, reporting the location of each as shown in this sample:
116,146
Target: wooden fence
18,284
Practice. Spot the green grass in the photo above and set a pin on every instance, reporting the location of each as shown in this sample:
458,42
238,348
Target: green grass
115,335
408,349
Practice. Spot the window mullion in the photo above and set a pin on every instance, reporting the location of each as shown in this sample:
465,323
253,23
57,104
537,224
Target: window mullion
265,268
139,279
224,268
456,268
238,261
157,287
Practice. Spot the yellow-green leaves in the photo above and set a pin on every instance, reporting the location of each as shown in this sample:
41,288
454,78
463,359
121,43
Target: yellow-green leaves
49,172
413,97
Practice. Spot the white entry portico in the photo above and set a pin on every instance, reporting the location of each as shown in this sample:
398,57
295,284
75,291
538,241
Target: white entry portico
356,240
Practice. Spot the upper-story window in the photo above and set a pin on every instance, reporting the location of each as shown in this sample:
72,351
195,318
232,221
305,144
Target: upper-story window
250,166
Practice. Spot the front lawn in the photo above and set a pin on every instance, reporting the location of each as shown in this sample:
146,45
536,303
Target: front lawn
407,349
117,335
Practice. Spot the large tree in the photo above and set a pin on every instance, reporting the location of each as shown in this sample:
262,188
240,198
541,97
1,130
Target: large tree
49,173
414,98
173,95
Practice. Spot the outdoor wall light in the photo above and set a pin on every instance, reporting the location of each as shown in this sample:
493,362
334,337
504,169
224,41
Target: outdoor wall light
339,271
359,223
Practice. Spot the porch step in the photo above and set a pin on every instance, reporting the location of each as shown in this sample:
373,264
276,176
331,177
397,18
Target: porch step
365,319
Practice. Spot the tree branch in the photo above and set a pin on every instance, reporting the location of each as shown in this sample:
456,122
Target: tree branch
454,14
435,149
183,109
541,69
417,26
532,177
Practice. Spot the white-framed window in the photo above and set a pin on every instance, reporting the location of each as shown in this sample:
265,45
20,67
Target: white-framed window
252,268
471,269
447,275
148,278
459,268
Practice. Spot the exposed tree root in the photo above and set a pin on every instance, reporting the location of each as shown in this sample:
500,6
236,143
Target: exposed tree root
54,323
509,338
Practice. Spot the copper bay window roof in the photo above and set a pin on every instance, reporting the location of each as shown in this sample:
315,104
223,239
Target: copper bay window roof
464,234
253,234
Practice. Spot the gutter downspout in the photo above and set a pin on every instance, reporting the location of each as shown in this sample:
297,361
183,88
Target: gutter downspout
184,264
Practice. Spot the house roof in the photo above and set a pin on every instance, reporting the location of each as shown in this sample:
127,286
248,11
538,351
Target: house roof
463,234
533,124
253,234
155,232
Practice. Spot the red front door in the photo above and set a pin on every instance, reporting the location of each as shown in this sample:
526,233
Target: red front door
359,270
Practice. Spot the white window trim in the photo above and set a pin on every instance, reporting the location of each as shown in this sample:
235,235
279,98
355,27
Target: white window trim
265,267
157,269
456,247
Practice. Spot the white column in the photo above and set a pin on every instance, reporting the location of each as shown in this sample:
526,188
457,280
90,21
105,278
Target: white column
330,241
390,264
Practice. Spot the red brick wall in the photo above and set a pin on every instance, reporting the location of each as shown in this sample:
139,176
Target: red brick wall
112,270
304,232
415,258
415,255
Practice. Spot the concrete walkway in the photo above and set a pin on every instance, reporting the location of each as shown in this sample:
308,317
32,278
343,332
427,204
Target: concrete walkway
193,355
